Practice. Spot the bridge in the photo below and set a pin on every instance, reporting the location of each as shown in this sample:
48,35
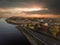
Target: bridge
37,37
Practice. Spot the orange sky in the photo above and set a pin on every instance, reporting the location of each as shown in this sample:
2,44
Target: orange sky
18,12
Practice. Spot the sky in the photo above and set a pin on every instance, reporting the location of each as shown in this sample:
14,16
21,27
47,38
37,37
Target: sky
29,8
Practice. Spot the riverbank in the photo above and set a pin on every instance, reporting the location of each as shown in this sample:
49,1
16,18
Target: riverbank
9,35
31,39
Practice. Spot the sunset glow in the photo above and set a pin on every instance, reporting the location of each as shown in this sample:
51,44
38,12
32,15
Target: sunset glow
30,9
19,10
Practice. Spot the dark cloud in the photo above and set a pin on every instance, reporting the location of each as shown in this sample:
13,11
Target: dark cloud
17,3
38,12
11,3
52,5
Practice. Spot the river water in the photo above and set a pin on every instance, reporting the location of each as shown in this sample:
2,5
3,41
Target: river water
9,35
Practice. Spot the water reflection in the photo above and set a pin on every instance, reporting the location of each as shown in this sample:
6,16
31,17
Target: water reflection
9,35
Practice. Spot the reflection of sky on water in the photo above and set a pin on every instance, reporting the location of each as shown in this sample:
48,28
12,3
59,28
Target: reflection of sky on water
9,34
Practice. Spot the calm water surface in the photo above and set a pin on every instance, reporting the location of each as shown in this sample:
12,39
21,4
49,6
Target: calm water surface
9,35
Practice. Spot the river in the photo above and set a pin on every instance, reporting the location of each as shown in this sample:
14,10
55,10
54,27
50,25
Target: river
9,35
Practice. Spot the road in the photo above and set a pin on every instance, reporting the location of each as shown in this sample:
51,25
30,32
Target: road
45,39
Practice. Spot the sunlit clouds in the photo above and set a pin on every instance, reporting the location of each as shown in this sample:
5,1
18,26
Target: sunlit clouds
19,10
29,8
23,12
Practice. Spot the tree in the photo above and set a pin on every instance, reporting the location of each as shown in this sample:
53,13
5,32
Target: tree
54,30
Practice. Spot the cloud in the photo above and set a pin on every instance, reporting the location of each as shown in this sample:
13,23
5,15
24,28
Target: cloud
52,5
38,12
19,3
